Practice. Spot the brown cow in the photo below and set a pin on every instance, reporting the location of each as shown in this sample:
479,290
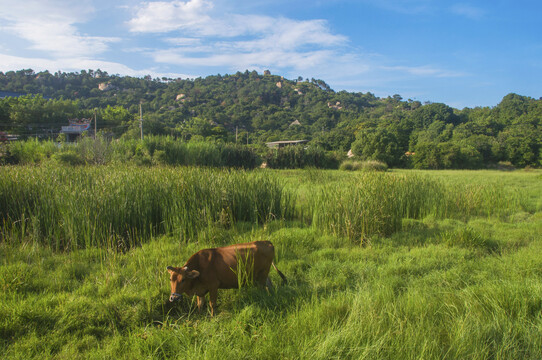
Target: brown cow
221,268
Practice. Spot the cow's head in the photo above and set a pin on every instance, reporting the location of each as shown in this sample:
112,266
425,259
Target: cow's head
180,281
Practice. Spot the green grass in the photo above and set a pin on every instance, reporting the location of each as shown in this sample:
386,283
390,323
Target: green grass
464,283
119,207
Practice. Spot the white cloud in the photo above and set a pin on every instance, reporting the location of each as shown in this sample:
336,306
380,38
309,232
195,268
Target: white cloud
250,60
182,41
289,34
199,37
60,38
164,16
8,62
49,26
195,18
46,9
234,40
209,39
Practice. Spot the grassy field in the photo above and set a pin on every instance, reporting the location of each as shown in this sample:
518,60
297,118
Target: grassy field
406,264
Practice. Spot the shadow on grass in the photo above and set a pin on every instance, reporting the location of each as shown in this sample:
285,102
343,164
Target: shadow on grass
281,299
452,233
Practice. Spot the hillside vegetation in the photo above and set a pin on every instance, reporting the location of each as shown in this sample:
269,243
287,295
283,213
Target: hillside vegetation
252,108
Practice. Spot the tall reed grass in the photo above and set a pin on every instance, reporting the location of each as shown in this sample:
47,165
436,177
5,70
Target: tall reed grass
376,203
125,205
168,151
298,157
120,207
154,150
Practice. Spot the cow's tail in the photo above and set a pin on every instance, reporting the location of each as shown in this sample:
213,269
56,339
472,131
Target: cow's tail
284,281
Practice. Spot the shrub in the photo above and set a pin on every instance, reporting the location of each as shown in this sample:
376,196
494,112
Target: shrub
346,165
162,150
351,165
505,165
30,151
94,151
298,157
374,165
168,151
69,157
368,165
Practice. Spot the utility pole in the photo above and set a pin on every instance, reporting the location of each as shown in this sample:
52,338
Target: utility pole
236,134
141,120
95,126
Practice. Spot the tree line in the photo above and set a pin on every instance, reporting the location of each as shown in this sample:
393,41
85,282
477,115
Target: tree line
252,108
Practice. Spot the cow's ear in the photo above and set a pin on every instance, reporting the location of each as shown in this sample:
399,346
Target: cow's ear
192,274
171,269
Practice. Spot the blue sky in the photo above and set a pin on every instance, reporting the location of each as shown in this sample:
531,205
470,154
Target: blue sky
465,53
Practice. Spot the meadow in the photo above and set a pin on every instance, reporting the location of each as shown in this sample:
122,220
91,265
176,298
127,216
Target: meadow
402,264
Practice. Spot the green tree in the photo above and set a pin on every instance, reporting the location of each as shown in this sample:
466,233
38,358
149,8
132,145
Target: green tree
378,144
430,113
521,145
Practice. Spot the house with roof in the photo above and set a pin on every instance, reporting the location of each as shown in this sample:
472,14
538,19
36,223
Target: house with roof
76,128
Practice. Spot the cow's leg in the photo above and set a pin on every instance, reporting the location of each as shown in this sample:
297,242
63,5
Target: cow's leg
213,294
262,280
201,302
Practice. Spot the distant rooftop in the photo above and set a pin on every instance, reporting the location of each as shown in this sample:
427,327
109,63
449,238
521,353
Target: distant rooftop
279,144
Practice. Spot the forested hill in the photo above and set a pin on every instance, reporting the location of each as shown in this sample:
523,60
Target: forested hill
264,107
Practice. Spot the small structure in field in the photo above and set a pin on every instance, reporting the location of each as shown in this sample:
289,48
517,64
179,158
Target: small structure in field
280,144
76,128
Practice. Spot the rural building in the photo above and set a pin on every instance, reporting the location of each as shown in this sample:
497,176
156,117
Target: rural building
76,128
280,144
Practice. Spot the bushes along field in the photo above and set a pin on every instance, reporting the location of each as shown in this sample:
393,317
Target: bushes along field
154,150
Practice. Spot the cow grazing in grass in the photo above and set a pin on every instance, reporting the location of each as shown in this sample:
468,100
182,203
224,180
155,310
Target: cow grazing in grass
223,268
